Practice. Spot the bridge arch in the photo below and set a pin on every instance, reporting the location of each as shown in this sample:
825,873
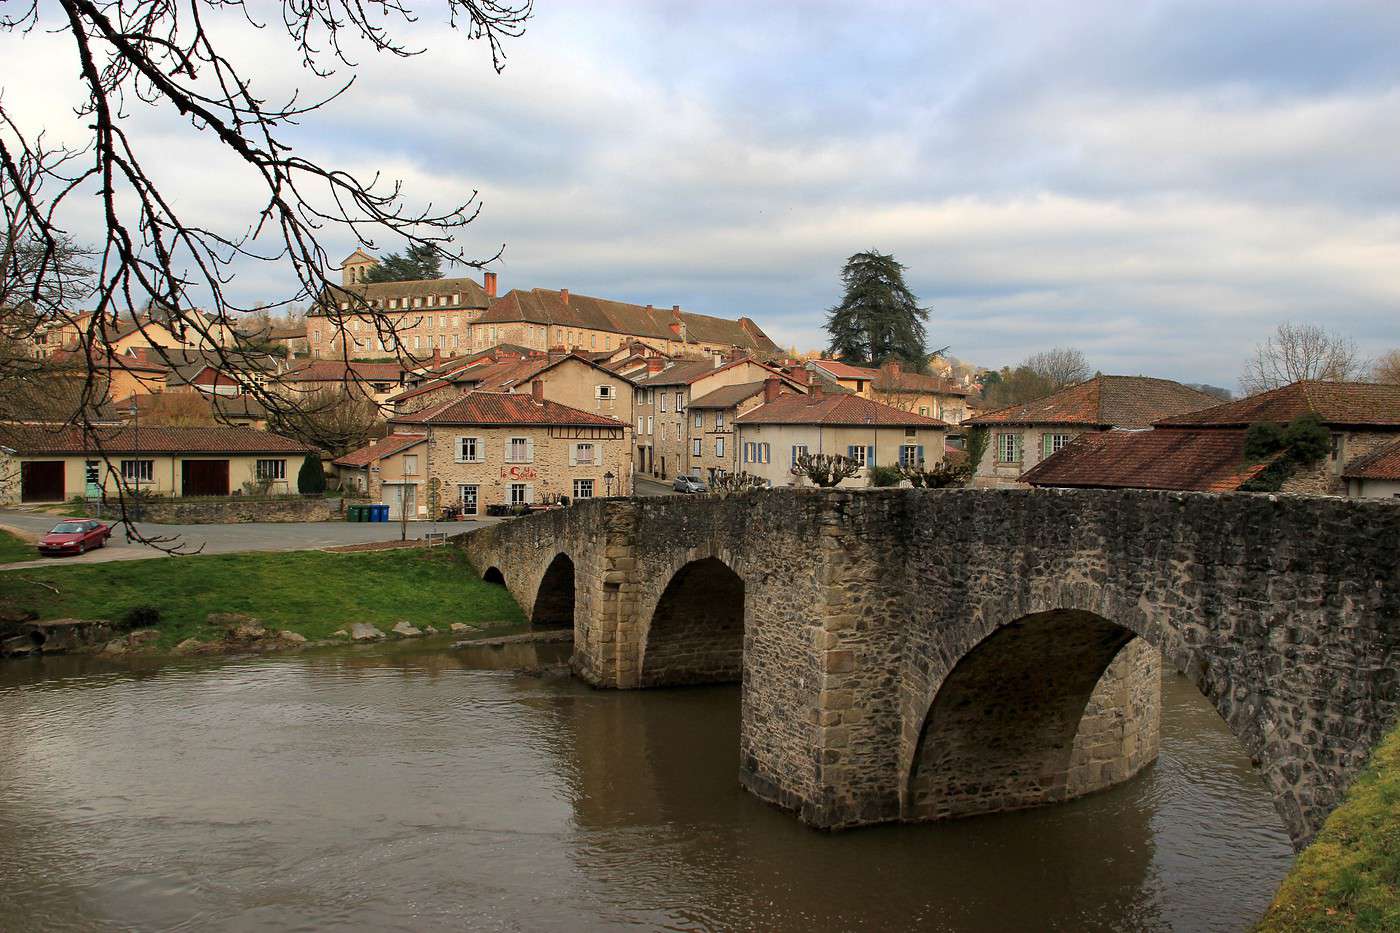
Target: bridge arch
695,634
494,575
553,605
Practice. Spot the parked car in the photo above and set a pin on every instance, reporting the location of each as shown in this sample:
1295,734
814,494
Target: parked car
74,537
689,484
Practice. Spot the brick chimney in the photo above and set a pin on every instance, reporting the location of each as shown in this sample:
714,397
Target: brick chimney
817,392
800,374
564,295
537,390
655,364
490,279
772,387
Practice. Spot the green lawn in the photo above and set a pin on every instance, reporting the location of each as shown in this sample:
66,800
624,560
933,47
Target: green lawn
13,548
309,592
1349,878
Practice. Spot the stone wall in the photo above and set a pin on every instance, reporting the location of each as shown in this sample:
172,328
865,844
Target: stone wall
910,654
232,511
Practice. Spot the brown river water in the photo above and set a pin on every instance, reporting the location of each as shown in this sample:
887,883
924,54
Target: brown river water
421,788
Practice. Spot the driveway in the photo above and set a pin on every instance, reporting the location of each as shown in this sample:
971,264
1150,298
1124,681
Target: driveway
220,539
643,485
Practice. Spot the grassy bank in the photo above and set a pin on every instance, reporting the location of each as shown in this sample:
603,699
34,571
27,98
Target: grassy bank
1349,878
13,548
308,592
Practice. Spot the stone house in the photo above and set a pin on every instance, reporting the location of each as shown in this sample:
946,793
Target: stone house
1022,435
1375,475
360,379
665,433
892,385
422,316
53,464
772,436
713,419
488,448
545,319
1180,459
1362,418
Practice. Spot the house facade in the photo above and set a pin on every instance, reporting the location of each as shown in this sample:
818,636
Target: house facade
773,435
47,464
1375,475
495,448
891,384
1025,434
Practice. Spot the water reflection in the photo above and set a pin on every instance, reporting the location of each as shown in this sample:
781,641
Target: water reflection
400,788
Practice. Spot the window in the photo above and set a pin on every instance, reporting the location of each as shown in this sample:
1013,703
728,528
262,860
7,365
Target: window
695,447
583,453
911,454
466,494
640,425
583,489
469,450
663,402
1008,448
519,494
719,447
798,450
138,471
719,421
680,402
271,469
518,450
410,464
699,420
1336,446
857,453
1053,443
923,410
757,453
651,425
911,432
606,392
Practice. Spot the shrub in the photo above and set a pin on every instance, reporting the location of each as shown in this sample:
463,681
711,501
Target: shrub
825,470
885,476
735,484
1262,441
1304,442
1307,440
942,474
311,480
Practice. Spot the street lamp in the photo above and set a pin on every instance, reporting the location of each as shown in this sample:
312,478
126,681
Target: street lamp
608,479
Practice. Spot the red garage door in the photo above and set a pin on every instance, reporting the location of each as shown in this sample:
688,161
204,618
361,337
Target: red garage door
41,481
204,477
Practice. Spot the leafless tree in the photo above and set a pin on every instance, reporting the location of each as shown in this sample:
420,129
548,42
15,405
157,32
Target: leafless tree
1386,368
166,55
1059,366
824,470
937,475
1296,352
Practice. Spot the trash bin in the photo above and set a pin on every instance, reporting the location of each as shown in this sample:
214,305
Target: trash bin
381,513
354,513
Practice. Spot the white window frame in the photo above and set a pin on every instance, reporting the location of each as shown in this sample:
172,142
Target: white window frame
270,470
583,488
700,419
409,464
661,404
577,458
138,471
680,403
719,420
719,447
697,447
519,493
515,446
478,450
1009,448
606,391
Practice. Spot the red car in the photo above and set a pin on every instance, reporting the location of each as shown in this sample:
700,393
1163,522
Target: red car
74,537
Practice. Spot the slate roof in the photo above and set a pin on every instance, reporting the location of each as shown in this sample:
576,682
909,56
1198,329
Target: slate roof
1378,464
206,440
1359,404
1165,458
508,409
845,409
727,396
546,306
1104,401
377,450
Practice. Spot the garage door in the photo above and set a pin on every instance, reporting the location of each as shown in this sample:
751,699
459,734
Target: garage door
204,477
41,481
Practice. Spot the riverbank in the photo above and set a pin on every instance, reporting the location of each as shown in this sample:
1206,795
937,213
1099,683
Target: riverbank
1349,878
310,594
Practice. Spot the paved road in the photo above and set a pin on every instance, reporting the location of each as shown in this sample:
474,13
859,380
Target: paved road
220,539
647,486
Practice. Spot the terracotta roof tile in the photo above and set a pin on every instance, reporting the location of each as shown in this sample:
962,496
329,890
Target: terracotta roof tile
212,440
1105,401
384,447
339,371
1337,403
1165,458
845,409
501,408
1378,464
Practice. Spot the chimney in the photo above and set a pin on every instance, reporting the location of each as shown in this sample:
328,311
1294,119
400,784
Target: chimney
800,374
771,388
816,393
557,355
490,278
676,310
564,295
655,364
537,390
894,368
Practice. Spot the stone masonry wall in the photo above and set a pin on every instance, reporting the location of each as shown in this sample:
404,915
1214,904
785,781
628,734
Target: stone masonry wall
175,510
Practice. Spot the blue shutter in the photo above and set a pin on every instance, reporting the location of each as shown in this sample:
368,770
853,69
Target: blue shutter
903,455
870,456
794,455
920,454
851,451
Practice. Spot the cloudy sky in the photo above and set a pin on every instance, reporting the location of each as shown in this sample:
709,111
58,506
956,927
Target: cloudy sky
1159,184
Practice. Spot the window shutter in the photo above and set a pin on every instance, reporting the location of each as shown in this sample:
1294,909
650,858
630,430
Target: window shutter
919,452
529,493
870,456
530,452
1045,441
851,451
480,450
573,455
461,449
903,458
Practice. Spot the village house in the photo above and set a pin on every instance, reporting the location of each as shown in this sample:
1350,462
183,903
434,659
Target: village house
1022,435
772,436
493,448
892,385
49,464
544,319
664,431
713,422
356,379
1178,459
363,320
1375,475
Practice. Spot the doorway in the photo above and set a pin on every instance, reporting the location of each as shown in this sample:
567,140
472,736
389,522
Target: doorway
204,477
468,497
41,481
402,499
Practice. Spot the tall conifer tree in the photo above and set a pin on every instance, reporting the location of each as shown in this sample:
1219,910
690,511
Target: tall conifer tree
879,319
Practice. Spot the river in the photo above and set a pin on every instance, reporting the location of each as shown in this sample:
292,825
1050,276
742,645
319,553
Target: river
407,787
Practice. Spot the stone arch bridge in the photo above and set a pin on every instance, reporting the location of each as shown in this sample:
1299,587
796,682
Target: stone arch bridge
919,654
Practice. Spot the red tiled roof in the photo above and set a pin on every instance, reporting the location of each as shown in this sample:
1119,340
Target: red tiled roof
685,371
384,447
845,409
1378,464
1338,403
508,409
1164,458
845,370
339,371
1106,401
29,439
